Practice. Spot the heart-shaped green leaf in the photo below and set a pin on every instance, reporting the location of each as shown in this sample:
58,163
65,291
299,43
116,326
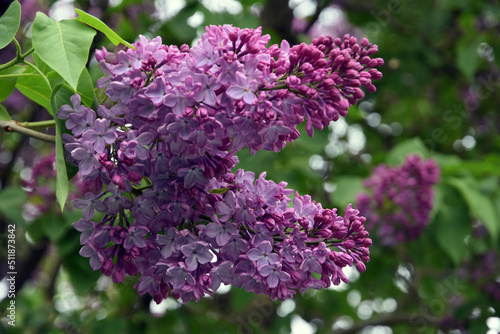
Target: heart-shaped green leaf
64,45
9,23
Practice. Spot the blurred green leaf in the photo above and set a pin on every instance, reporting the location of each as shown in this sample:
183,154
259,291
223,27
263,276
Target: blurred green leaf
348,187
452,225
11,202
4,114
111,326
467,58
69,244
240,299
399,153
97,24
54,225
63,45
9,23
479,205
81,275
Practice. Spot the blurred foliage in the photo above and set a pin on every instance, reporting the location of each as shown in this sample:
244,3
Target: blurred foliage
439,97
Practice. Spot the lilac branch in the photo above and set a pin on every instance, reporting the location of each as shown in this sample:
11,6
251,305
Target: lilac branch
13,126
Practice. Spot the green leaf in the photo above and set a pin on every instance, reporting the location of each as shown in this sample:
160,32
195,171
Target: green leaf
240,299
42,66
86,88
69,245
64,45
348,187
452,225
219,191
9,23
479,205
4,114
11,202
398,154
54,226
81,275
35,88
8,79
467,58
60,96
55,79
97,24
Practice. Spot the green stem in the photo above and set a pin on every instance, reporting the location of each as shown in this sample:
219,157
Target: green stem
17,75
19,57
18,47
38,71
37,125
27,53
9,64
13,126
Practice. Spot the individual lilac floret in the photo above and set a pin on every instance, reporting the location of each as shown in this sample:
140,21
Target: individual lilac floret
88,205
163,152
400,199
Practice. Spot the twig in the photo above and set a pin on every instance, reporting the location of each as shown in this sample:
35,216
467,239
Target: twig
13,126
38,125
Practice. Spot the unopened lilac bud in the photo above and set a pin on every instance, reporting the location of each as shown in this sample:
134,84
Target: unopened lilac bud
107,267
352,74
117,179
135,252
349,244
292,81
202,113
158,73
134,177
118,276
339,60
320,63
360,266
303,89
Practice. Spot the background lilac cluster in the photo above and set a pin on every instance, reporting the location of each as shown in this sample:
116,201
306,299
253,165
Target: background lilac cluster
40,187
173,212
400,199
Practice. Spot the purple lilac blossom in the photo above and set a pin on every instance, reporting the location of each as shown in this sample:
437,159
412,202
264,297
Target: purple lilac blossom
400,199
176,216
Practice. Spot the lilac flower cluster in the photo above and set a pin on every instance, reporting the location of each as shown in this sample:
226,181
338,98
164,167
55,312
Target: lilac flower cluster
400,199
170,208
483,270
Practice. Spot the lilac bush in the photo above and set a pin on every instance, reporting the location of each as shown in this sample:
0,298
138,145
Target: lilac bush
171,210
400,199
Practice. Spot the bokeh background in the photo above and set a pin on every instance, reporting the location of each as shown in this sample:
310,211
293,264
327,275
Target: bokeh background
439,98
